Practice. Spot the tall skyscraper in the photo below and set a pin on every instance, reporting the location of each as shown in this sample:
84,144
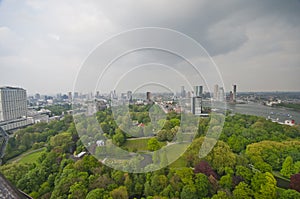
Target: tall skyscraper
148,95
76,95
221,94
216,91
70,96
234,93
129,96
196,105
183,92
198,91
13,103
231,96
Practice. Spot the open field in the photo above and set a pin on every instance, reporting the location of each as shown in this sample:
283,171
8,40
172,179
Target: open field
28,157
138,144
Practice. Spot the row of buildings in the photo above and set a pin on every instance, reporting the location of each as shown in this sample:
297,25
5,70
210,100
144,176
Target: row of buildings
217,95
14,111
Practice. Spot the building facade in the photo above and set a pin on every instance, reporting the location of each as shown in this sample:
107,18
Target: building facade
13,103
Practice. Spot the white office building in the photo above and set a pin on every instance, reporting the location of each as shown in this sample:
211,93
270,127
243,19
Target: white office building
13,103
13,107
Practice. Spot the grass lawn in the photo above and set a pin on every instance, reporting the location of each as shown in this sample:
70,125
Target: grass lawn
138,144
28,157
179,163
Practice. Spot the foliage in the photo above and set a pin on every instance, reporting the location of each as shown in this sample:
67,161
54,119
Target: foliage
249,149
295,182
25,138
287,167
242,191
119,193
273,153
58,109
205,168
153,144
290,194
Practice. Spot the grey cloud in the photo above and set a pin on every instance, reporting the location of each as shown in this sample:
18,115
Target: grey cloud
56,36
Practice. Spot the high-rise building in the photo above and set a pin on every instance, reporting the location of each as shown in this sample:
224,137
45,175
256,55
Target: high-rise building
76,95
234,93
196,105
198,91
231,96
183,92
148,94
221,94
13,103
70,96
216,91
129,96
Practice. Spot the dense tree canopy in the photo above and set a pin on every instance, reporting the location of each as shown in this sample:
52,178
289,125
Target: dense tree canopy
243,163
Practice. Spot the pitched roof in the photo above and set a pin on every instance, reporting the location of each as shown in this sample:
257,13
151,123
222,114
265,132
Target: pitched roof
8,191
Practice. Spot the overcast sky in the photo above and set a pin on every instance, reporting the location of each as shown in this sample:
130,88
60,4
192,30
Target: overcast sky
255,44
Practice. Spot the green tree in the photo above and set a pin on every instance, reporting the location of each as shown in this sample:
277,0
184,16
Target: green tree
244,172
63,140
264,186
119,138
226,181
119,193
297,167
263,167
153,144
287,167
189,192
77,191
289,194
242,191
202,185
220,195
185,174
96,194
168,192
221,156
158,183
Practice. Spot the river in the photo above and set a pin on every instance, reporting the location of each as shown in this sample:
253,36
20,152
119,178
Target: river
261,110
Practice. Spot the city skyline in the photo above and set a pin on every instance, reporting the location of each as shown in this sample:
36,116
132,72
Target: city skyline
254,44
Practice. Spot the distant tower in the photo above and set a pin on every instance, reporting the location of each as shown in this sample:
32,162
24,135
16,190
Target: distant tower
198,91
221,94
196,105
216,91
148,94
234,93
183,93
76,95
129,96
231,96
115,96
70,96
